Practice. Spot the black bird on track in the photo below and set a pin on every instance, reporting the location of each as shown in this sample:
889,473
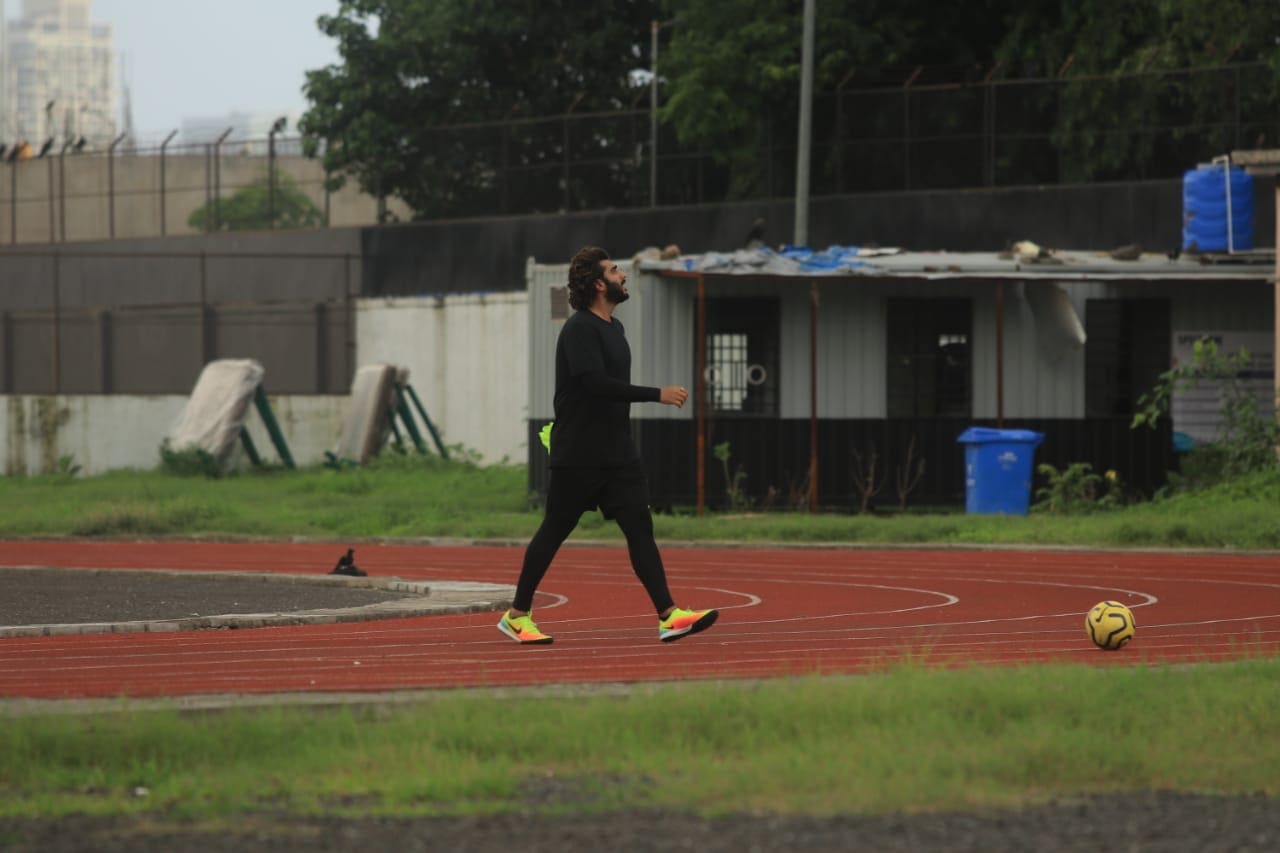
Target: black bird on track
347,565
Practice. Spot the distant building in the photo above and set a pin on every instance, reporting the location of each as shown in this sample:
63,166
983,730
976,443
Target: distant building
249,131
56,74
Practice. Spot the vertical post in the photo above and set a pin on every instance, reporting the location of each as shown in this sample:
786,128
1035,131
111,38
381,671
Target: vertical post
327,194
57,325
62,191
988,135
208,187
276,127
111,186
321,320
700,381
813,395
163,211
999,354
567,198
348,304
906,128
13,201
801,236
205,331
504,169
52,234
6,353
217,179
271,180
839,140
104,350
1275,328
653,112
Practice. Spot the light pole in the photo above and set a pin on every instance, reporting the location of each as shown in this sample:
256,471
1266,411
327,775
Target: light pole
801,237
276,127
654,27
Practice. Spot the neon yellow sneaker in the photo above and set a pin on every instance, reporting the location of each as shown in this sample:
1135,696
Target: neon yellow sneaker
522,629
682,622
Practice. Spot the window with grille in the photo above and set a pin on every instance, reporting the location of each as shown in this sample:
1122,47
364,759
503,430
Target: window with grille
742,356
929,368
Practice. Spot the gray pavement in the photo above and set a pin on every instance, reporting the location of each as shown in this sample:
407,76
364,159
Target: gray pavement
41,601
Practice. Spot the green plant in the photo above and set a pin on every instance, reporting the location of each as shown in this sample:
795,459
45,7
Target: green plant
1247,437
189,462
733,479
1072,490
260,207
67,466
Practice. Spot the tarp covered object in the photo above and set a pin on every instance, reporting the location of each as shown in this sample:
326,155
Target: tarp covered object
218,407
368,420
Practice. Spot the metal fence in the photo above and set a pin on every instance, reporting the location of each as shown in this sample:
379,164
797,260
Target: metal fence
73,194
147,323
984,132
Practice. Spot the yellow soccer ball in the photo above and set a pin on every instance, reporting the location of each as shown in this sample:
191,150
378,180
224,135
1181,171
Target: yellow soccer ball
1110,625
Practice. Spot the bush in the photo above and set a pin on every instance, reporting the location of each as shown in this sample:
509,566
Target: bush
190,462
1078,489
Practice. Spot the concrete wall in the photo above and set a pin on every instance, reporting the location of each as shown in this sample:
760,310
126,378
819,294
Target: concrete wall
107,432
468,361
95,197
467,358
490,253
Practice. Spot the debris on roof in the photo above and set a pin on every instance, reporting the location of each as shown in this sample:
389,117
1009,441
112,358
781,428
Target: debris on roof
1022,260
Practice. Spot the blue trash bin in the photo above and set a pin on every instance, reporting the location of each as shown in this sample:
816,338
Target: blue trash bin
997,469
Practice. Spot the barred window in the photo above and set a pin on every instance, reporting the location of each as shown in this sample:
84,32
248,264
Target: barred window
742,356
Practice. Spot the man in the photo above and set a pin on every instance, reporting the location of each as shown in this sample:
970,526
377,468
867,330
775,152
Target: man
594,461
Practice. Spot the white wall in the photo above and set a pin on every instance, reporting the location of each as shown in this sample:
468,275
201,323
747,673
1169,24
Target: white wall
468,360
105,432
467,357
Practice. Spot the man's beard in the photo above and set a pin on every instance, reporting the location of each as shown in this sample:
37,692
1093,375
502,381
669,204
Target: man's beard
614,293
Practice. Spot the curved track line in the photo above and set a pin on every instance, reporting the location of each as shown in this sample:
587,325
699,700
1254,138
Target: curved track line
784,612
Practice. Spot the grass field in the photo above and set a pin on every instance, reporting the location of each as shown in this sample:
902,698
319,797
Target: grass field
904,739
424,497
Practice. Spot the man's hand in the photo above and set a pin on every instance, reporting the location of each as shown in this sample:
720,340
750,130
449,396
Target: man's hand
674,395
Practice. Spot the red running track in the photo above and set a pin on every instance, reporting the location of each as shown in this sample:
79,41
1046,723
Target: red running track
783,612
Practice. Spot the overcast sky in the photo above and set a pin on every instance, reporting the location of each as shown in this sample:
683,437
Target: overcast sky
196,58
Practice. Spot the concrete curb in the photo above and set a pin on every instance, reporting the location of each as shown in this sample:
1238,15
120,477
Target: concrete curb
429,598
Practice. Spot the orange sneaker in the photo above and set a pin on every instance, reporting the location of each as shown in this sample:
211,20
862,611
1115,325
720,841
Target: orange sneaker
682,622
522,629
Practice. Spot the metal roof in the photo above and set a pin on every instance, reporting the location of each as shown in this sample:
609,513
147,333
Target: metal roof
1056,265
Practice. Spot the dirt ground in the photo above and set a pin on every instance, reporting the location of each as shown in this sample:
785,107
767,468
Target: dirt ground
1157,821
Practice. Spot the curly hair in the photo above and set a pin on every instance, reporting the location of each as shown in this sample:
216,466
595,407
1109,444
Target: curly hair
584,270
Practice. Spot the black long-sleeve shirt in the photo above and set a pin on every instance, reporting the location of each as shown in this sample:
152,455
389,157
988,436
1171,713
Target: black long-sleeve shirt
594,395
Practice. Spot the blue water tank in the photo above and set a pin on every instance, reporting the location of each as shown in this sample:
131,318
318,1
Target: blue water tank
1204,209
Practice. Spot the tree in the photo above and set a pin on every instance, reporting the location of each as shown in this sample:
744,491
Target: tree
1111,128
732,71
412,67
250,208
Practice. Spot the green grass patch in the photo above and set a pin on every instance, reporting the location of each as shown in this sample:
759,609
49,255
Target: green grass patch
906,739
411,496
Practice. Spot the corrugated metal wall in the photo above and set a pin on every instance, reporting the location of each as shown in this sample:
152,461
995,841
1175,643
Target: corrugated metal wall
1041,379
